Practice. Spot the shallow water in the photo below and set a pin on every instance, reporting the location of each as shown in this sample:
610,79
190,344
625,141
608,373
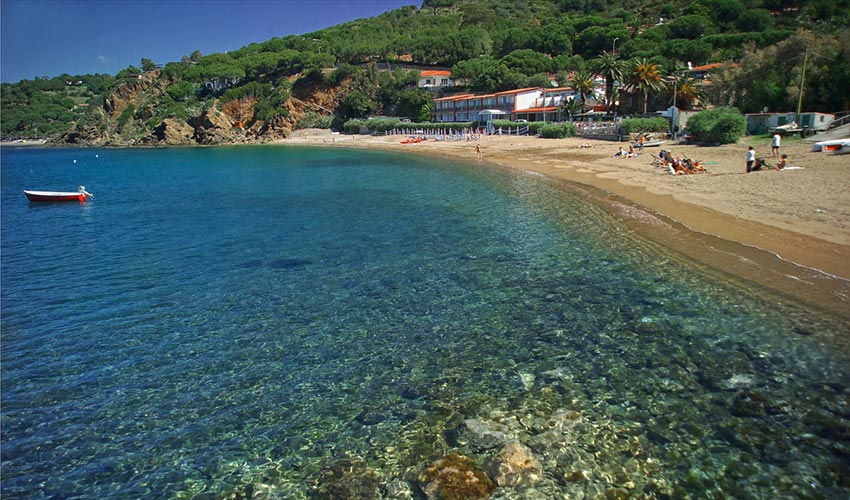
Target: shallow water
276,322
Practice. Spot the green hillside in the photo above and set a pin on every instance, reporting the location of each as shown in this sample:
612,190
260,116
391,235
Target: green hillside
265,90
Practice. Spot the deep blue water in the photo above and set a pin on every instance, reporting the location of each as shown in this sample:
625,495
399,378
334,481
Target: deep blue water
273,322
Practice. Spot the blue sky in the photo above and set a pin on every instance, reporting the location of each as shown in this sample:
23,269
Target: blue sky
52,37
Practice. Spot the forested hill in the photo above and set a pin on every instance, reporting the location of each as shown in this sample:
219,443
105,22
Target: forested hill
368,67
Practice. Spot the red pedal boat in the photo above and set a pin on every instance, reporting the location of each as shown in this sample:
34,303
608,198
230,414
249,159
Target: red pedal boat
56,196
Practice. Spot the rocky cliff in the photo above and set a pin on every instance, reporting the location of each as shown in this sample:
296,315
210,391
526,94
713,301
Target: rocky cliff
131,115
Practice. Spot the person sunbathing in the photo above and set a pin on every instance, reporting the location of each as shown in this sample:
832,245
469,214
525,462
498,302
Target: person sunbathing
760,164
693,166
683,165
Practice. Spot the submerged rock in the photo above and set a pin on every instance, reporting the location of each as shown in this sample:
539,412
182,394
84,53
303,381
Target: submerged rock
348,478
455,477
562,420
750,404
828,425
399,489
527,380
367,417
483,434
738,381
516,465
556,431
616,494
562,373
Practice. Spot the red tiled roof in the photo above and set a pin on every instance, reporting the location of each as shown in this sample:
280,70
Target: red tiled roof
517,91
455,97
706,67
535,110
465,97
435,72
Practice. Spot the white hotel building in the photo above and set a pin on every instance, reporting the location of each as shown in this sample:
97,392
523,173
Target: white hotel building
532,104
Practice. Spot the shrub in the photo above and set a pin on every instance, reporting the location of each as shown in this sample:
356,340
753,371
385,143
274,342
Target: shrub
634,125
557,130
273,104
353,126
126,116
342,73
358,104
181,91
383,124
311,119
719,125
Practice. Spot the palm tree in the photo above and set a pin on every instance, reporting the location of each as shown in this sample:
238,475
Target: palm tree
644,76
610,67
582,84
570,107
685,92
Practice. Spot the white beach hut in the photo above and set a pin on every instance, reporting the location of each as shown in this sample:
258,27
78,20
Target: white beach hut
488,114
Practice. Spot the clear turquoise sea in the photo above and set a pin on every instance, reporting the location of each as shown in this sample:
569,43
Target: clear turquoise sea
282,322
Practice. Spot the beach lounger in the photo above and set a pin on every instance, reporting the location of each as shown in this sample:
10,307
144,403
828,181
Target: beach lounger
683,166
659,160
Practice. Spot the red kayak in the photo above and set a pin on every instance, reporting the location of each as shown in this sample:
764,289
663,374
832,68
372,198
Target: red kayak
55,196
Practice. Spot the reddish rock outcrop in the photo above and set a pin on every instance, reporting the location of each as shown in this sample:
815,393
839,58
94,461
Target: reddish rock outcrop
212,127
174,133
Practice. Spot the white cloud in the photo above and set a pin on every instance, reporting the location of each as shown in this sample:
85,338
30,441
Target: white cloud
102,59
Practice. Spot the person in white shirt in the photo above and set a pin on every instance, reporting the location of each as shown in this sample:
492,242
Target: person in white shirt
774,146
751,159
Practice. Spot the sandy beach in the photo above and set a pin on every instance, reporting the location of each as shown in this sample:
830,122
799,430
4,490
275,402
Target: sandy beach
789,230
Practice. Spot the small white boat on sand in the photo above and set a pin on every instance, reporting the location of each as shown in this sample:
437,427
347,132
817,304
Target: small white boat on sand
649,144
843,150
831,145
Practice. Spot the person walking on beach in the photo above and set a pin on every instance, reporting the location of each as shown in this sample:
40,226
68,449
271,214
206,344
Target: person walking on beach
478,151
751,159
774,146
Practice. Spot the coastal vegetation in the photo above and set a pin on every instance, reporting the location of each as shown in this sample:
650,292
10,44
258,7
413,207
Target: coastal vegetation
634,125
718,125
557,130
768,52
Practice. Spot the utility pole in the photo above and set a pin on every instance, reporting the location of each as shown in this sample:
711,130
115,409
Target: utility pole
675,113
802,83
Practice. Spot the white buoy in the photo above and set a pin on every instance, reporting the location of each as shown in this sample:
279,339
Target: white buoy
75,161
97,156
